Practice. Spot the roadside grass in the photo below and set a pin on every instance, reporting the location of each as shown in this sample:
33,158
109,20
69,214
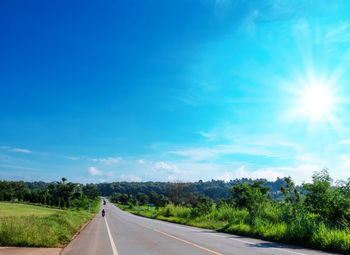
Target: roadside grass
270,223
8,209
37,229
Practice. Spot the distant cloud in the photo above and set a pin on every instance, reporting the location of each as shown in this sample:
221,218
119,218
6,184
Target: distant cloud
209,136
130,177
107,161
94,171
299,174
73,158
9,148
20,150
197,153
205,153
347,141
339,34
164,166
270,174
16,166
345,162
141,161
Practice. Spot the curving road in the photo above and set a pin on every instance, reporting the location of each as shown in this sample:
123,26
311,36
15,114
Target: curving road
122,233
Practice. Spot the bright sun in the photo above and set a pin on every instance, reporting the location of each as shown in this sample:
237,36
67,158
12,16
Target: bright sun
316,101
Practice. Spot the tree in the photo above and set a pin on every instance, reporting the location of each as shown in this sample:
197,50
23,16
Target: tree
142,198
319,194
180,192
91,191
203,206
290,193
251,196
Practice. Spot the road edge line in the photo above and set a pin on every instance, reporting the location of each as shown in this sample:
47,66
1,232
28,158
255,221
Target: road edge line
114,248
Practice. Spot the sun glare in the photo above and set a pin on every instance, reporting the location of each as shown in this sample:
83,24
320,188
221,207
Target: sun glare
316,101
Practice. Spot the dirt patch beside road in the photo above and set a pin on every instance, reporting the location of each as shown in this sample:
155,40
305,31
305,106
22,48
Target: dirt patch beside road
29,251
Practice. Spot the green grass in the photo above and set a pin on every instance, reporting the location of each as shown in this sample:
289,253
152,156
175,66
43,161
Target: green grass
40,227
8,209
272,223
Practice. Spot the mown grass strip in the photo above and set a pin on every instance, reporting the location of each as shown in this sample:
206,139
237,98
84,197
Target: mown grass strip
9,209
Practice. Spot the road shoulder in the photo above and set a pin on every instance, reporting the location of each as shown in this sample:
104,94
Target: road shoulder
29,251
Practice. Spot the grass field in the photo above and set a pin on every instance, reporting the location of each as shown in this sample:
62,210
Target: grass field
8,209
33,226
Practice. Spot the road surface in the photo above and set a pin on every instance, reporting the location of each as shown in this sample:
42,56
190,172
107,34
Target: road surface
122,233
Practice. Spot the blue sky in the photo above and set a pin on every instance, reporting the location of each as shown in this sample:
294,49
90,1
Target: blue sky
174,90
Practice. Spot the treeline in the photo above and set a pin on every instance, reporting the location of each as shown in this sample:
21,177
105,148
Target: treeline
328,203
61,194
214,189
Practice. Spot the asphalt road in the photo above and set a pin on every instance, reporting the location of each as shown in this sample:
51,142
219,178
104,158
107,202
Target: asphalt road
122,233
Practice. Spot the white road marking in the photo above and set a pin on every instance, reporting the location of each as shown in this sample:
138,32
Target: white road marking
114,248
243,241
191,227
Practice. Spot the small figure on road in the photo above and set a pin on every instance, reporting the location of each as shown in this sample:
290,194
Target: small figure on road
104,202
103,212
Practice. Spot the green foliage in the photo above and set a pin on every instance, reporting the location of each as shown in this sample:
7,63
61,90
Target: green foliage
140,199
180,192
203,205
290,193
13,191
250,195
319,194
331,204
56,194
91,191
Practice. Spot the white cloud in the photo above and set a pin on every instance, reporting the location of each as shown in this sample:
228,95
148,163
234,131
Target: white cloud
299,174
109,174
206,153
94,171
241,172
196,153
141,161
307,159
107,161
20,150
164,166
339,34
267,145
209,136
130,177
347,141
344,167
15,166
73,158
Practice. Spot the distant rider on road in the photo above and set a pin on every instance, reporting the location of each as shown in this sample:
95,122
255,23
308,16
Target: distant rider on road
103,212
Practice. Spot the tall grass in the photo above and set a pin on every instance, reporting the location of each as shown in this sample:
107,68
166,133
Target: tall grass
272,222
43,231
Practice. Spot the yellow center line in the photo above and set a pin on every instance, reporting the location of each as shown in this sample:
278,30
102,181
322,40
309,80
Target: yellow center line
180,239
175,237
